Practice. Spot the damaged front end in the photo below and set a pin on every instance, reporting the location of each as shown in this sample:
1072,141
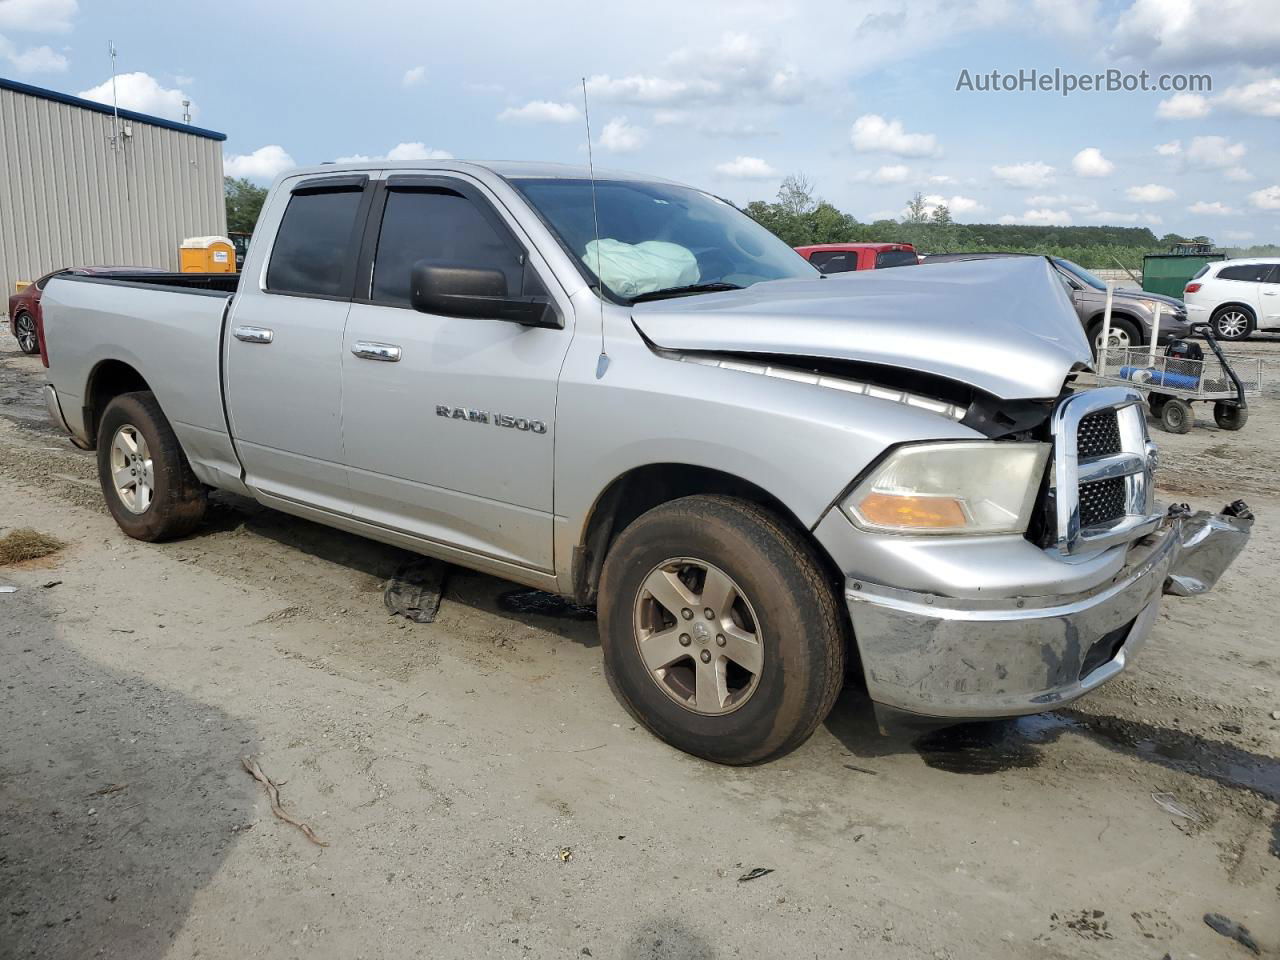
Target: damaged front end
1208,544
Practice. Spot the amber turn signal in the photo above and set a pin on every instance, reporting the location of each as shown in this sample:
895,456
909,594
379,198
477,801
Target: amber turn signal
898,510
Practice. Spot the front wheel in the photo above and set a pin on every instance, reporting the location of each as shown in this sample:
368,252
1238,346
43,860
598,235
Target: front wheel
721,631
1229,416
24,331
1123,335
146,479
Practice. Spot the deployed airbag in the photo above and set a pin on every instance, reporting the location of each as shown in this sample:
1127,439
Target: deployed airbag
632,269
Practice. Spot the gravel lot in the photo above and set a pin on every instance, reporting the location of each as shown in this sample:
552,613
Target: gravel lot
483,795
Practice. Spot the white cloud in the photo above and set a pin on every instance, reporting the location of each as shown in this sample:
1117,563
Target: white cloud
33,59
1198,32
1076,18
43,16
1183,106
1268,198
1090,162
1238,174
956,205
183,80
1213,209
942,178
1214,153
142,92
401,153
890,173
1150,193
647,90
1044,218
1026,175
620,136
871,133
1170,149
414,77
542,111
747,168
265,163
1261,97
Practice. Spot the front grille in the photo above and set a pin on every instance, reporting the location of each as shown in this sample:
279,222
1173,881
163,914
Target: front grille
1102,501
1098,434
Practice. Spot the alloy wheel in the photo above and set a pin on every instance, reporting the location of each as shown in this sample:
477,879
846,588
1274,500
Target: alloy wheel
131,469
24,329
1232,325
699,636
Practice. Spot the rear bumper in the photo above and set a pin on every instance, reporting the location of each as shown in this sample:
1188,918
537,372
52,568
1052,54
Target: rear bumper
1005,656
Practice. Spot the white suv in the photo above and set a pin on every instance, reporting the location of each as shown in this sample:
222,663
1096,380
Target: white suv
1236,297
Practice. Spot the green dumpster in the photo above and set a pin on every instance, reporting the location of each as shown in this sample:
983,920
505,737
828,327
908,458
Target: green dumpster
1168,273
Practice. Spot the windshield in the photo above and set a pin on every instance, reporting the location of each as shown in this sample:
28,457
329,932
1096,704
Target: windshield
657,236
1080,273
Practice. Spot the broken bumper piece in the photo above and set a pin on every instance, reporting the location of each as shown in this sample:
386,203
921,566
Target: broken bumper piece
939,656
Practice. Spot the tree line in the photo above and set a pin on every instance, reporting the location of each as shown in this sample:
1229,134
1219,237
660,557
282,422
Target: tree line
799,217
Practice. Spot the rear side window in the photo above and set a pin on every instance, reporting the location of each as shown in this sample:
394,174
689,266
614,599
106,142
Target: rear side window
1201,272
1273,276
1248,271
896,258
829,262
315,246
442,228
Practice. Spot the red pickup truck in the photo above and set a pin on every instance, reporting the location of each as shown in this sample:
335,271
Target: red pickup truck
841,257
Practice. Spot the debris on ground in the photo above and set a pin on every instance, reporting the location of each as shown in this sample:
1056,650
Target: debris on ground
1170,805
857,769
755,873
529,600
108,789
8,588
415,590
565,854
1232,931
273,793
1090,924
27,544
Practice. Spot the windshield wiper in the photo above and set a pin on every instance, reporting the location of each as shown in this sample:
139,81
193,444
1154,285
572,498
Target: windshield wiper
714,287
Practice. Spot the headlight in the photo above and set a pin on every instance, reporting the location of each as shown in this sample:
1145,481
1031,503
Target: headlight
1165,309
965,487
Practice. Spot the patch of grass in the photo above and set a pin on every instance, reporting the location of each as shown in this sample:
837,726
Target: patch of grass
27,544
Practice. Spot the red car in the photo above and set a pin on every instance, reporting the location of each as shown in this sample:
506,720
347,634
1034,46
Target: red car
842,257
25,321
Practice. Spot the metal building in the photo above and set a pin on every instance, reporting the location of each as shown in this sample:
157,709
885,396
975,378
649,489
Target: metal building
81,184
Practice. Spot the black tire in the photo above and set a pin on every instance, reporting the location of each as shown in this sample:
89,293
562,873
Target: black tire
1119,326
177,499
24,331
1227,321
1156,402
797,612
1229,416
1176,416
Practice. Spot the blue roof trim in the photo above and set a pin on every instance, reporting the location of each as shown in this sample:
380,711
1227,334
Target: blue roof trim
43,94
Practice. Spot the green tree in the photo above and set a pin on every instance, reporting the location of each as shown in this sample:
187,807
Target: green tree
244,203
916,208
941,215
795,195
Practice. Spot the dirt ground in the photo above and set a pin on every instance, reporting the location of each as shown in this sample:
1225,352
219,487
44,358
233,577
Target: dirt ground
483,795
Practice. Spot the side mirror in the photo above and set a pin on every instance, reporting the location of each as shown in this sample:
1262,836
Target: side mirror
472,292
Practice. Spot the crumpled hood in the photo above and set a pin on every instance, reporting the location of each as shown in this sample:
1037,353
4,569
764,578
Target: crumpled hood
1003,326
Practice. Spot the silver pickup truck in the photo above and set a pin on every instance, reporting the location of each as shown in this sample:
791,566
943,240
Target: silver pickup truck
625,391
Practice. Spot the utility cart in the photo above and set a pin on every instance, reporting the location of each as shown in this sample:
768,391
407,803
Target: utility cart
1180,375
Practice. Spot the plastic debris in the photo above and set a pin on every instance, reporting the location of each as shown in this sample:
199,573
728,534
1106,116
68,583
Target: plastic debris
415,590
1170,805
755,873
1232,931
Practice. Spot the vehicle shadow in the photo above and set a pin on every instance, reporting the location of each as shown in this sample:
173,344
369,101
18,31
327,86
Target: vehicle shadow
529,607
119,799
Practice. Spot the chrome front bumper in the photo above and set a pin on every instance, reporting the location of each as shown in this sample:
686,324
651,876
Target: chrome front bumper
969,658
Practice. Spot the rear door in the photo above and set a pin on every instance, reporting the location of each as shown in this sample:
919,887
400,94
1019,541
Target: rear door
284,349
449,423
1269,298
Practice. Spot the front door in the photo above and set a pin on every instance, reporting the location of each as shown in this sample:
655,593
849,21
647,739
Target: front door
448,422
1269,299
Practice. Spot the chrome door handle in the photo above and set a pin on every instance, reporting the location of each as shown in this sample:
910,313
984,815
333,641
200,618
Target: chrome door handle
254,334
367,350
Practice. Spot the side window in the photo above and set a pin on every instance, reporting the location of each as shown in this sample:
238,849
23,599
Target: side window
896,258
1274,275
1201,272
442,228
829,262
1248,271
316,245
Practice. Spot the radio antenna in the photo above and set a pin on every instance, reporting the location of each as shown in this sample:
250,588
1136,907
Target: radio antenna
603,363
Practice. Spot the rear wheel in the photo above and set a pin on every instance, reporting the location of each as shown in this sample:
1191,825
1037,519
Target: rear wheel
721,632
1232,323
24,330
1229,416
146,480
1176,416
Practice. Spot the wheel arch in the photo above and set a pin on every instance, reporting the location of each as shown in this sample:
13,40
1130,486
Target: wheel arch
107,380
1239,305
1141,327
642,488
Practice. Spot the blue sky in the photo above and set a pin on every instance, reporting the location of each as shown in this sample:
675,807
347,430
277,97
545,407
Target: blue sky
858,95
